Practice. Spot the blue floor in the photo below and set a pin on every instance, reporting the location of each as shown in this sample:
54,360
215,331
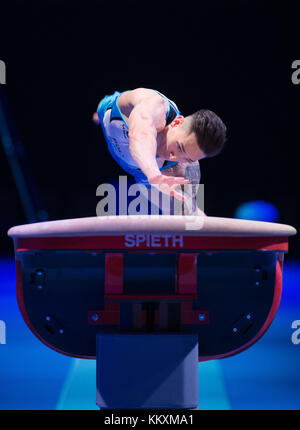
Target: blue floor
265,376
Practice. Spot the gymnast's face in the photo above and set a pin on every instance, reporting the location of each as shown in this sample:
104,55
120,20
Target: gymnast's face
177,145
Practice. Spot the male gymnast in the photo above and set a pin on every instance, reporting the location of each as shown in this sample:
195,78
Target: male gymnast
147,135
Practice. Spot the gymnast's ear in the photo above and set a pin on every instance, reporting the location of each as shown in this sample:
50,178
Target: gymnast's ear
177,121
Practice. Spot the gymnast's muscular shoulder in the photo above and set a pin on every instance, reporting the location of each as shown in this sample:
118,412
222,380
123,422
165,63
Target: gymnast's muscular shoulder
129,99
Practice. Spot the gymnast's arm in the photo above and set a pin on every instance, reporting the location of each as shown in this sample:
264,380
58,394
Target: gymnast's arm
190,171
146,119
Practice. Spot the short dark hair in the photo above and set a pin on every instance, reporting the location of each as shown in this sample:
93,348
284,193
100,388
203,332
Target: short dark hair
210,131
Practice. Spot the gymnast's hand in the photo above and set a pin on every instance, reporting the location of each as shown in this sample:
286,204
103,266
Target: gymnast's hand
167,185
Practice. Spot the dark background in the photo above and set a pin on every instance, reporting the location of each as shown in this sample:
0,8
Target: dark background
232,57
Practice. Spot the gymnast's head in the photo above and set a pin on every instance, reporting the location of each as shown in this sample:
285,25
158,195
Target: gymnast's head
197,136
